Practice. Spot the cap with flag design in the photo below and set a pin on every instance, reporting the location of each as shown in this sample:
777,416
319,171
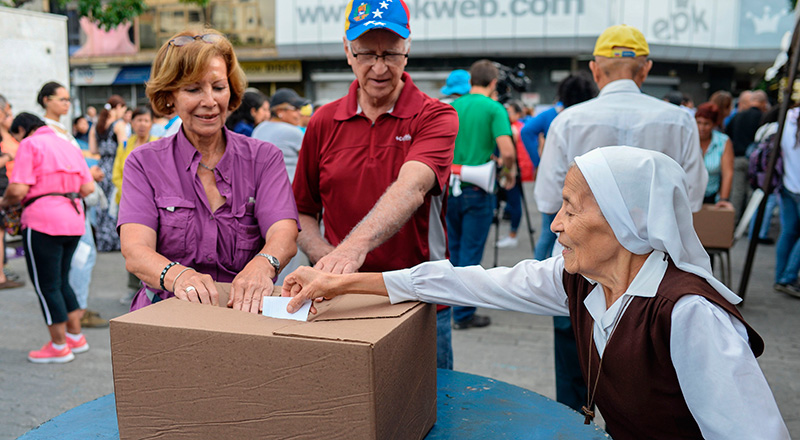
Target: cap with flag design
366,15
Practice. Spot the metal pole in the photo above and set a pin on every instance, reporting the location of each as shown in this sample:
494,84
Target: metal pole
773,158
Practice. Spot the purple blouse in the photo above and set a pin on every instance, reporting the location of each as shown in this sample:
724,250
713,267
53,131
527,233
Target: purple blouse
161,190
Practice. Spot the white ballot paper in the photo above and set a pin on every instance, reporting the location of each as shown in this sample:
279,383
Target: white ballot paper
275,307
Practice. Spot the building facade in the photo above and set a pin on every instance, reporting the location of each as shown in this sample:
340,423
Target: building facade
698,46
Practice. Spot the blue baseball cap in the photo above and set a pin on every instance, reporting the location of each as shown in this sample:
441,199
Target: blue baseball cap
457,83
365,15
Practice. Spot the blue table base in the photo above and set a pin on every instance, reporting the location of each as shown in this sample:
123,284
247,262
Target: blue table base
468,407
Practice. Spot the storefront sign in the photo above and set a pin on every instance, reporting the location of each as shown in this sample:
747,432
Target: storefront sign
729,24
87,76
273,71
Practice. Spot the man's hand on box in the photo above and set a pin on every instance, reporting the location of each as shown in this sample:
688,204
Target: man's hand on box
305,284
251,285
196,287
343,259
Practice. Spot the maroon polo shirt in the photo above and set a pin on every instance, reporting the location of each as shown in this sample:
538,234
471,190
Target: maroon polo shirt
346,163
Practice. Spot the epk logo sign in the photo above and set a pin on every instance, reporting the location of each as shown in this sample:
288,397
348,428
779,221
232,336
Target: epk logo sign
685,17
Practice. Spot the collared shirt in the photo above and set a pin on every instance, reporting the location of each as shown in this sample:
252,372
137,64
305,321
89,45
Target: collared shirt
722,383
61,131
535,126
50,164
347,162
161,190
481,120
620,115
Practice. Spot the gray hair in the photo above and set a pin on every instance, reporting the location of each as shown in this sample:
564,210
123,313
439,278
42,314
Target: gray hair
3,102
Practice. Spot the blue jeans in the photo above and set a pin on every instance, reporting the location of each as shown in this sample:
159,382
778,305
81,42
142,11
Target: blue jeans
570,387
547,239
787,261
772,201
444,340
469,218
80,272
514,206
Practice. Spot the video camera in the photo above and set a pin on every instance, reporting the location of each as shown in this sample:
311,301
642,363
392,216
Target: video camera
510,81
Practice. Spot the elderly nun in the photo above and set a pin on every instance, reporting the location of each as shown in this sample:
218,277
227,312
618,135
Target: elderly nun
664,352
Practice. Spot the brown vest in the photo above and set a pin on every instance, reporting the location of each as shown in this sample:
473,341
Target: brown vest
638,390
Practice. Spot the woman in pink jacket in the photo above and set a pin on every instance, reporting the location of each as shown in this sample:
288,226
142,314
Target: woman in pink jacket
49,179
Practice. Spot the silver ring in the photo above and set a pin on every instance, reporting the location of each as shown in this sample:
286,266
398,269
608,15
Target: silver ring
189,289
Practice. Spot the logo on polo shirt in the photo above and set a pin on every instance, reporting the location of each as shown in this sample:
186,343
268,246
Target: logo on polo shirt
406,138
362,12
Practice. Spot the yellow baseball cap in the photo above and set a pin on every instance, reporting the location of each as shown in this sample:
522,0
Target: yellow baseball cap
306,110
621,41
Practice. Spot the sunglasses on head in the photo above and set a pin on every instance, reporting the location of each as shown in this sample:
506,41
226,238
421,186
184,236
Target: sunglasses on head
183,40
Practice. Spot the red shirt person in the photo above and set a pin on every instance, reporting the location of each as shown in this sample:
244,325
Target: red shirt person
374,164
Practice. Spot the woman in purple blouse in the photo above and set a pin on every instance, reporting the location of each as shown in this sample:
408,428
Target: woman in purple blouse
205,204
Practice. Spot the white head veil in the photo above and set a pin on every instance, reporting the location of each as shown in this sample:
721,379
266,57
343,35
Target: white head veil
642,194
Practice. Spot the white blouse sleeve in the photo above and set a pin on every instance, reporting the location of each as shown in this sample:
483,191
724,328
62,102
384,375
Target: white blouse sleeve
531,286
723,385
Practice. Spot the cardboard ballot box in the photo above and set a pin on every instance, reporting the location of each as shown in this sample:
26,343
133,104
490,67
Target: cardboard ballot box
714,226
361,369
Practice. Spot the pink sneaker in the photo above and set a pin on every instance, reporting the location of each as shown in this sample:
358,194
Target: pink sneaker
79,346
48,354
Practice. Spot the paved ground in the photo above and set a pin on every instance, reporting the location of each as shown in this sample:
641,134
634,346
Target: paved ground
516,348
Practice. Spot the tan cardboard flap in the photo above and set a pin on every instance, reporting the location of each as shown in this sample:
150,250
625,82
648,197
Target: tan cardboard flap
362,330
359,307
342,307
347,318
175,313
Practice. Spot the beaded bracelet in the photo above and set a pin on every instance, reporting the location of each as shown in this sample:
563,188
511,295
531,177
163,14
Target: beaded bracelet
164,273
179,275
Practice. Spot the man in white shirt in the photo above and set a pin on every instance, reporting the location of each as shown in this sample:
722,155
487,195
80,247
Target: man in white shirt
620,115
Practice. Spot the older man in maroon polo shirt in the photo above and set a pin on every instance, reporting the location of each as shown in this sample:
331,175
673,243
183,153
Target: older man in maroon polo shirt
374,164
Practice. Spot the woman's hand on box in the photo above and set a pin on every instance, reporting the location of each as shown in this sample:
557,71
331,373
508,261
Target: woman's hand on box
196,287
251,285
305,284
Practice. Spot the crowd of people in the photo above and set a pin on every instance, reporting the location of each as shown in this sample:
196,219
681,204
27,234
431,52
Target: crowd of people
214,182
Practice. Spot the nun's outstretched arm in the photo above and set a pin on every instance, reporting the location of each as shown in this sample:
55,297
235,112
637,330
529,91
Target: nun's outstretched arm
531,286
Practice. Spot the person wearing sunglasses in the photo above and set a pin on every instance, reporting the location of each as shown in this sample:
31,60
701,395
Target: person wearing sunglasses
205,204
374,165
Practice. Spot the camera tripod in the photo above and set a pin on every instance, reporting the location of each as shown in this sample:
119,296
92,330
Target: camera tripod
498,217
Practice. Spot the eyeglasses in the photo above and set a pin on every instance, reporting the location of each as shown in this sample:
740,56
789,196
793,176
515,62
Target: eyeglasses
390,59
183,40
54,98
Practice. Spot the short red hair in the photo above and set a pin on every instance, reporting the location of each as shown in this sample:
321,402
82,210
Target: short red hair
707,110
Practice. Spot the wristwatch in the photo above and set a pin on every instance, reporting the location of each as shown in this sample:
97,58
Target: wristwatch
273,261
